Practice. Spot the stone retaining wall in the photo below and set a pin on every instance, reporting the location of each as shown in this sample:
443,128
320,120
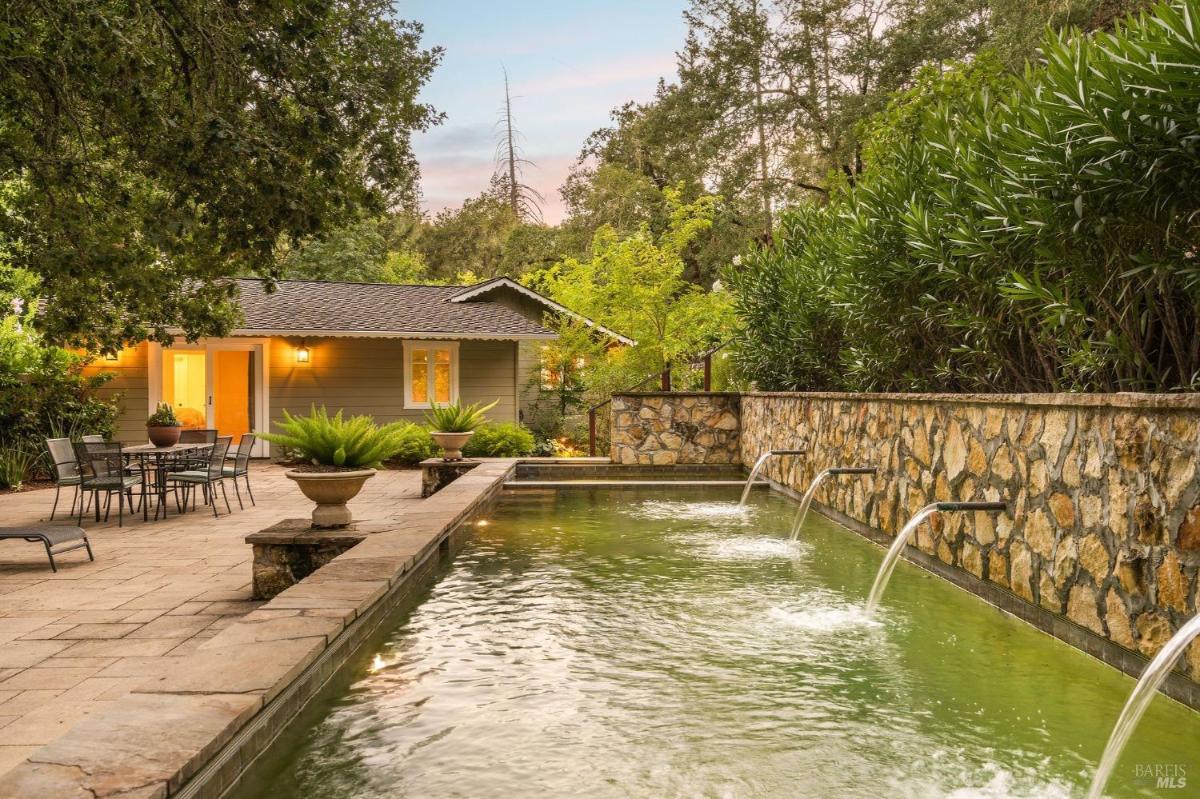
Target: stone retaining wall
1103,526
661,429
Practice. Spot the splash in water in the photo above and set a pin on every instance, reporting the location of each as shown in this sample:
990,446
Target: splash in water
754,547
666,510
991,781
830,618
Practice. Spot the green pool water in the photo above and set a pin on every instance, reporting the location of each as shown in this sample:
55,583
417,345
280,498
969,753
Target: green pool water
651,643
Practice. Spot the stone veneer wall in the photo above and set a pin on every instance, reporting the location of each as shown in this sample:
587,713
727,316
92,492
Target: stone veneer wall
1103,528
1104,519
662,429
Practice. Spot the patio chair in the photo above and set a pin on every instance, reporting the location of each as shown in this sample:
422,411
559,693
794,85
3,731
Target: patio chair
102,469
212,475
240,467
96,438
199,436
53,538
66,470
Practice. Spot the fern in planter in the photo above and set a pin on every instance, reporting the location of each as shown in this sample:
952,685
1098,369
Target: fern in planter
455,418
348,443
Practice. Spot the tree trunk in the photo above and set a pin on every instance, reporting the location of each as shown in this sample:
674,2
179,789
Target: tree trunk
514,199
764,165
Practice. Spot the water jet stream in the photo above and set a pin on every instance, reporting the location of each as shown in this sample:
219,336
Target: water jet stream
802,513
1139,699
898,544
758,465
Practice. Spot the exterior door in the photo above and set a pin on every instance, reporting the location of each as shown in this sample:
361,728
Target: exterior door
231,400
216,385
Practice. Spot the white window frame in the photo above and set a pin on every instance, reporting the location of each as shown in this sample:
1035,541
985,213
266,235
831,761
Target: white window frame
449,346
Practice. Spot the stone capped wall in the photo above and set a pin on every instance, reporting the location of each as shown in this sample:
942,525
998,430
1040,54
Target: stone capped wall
1104,518
662,429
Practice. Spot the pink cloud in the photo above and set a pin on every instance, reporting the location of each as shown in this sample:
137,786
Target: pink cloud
648,68
447,181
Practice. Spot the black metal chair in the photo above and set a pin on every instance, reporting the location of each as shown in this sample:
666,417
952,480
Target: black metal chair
102,469
207,478
91,438
66,470
192,461
203,436
241,467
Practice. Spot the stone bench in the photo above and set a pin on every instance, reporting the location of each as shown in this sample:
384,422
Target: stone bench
437,473
287,552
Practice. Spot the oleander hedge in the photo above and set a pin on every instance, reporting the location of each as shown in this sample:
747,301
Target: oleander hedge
1033,232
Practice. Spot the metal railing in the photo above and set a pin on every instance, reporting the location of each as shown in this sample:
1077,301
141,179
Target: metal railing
664,377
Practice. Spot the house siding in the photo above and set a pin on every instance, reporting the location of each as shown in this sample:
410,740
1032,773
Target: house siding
366,375
130,387
529,367
357,375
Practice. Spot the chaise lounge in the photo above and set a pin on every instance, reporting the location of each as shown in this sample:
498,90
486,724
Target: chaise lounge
57,540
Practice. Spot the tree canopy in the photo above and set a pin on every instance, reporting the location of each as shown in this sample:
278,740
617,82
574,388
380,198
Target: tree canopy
155,149
636,285
772,98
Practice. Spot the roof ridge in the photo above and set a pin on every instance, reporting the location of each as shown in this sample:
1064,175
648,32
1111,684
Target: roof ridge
366,283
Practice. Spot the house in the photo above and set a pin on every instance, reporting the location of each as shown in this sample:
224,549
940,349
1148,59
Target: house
390,351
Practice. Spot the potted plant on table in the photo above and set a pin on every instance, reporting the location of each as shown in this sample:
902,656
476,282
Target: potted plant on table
452,425
338,455
162,427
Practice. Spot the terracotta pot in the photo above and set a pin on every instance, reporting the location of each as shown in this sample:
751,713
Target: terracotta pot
164,435
451,443
331,491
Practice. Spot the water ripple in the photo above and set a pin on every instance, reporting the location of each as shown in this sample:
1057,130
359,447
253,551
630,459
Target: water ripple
618,645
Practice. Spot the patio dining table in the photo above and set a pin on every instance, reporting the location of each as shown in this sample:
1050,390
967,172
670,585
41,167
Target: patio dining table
155,460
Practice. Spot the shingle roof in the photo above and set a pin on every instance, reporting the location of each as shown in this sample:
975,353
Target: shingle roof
497,284
365,309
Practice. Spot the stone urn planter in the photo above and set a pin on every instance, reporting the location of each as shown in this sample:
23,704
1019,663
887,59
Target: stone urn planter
163,435
331,490
451,443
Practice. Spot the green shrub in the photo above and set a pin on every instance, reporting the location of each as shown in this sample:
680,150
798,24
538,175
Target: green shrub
415,445
506,440
16,465
43,394
354,443
1010,233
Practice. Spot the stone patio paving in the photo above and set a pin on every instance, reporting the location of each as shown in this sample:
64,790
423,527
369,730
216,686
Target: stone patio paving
75,642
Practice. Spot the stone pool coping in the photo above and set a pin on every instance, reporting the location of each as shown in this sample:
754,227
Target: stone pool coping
1120,399
194,731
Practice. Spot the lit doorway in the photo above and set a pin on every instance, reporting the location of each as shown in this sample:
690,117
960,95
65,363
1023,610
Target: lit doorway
214,384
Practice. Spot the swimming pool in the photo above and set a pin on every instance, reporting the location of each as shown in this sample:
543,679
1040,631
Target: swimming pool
630,642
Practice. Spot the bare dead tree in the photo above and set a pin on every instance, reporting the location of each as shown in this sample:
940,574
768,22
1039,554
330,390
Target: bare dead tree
524,200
